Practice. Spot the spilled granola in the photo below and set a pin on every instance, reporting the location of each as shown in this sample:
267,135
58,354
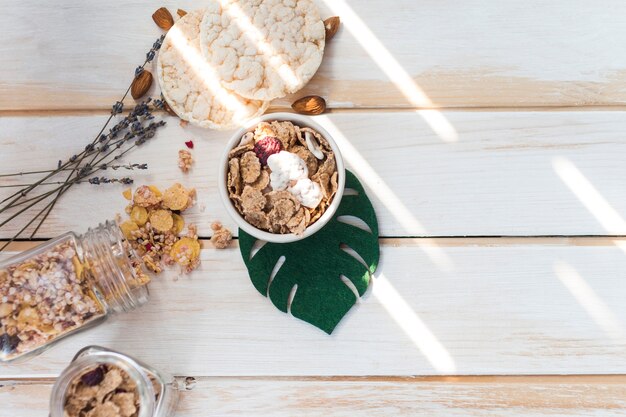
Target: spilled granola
221,236
282,177
156,224
185,160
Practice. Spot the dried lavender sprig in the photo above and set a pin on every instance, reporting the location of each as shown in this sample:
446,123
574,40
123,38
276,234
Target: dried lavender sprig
94,180
113,167
140,112
84,168
106,180
117,108
47,207
115,143
150,131
8,242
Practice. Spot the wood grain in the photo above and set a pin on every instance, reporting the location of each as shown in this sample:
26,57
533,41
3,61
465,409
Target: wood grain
461,307
486,305
509,173
457,53
476,397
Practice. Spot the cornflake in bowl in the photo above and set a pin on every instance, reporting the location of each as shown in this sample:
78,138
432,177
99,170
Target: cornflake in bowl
282,177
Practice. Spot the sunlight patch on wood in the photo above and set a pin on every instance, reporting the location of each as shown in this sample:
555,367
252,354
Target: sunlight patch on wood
393,70
413,326
385,194
589,300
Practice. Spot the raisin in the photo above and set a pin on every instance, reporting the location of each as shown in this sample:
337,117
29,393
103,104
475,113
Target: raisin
94,377
8,344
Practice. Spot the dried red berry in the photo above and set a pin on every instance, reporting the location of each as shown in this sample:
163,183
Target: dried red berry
94,377
189,144
267,146
148,247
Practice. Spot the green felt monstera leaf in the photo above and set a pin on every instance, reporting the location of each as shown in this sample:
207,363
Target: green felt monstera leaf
315,266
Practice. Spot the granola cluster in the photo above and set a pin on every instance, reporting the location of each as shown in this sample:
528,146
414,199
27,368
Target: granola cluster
282,177
221,236
43,298
155,228
104,391
185,160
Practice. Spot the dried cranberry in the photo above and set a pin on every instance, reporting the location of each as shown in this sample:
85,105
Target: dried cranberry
94,377
189,144
148,247
266,147
8,344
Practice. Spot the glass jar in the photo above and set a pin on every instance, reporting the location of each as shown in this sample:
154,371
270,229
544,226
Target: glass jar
66,285
155,393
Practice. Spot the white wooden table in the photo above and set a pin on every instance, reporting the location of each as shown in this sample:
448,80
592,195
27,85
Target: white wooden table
491,137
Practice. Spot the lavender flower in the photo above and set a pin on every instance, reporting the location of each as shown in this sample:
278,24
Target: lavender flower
118,107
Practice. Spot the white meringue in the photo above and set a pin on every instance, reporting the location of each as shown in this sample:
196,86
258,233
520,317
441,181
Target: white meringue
286,167
307,192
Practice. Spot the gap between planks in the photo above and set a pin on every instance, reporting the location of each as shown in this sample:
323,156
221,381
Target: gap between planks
537,396
456,379
442,241
382,109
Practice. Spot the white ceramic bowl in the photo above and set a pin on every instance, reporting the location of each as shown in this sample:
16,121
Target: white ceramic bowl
299,120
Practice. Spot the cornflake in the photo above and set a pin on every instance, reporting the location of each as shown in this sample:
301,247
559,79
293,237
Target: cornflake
178,197
250,167
297,203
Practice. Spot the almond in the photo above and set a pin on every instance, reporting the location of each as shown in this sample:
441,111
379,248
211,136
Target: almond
163,18
141,84
310,105
181,12
331,25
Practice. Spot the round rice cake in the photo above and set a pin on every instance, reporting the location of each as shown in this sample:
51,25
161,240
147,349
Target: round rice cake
263,49
191,86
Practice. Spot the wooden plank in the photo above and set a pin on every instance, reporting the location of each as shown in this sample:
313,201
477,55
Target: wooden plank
478,397
437,306
450,53
509,173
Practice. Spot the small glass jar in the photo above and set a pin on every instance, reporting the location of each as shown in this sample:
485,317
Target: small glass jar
156,393
66,285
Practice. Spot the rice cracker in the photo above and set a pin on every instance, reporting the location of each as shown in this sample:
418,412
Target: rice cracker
263,49
191,86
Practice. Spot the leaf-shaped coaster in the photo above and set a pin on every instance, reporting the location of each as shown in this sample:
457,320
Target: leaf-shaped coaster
317,264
